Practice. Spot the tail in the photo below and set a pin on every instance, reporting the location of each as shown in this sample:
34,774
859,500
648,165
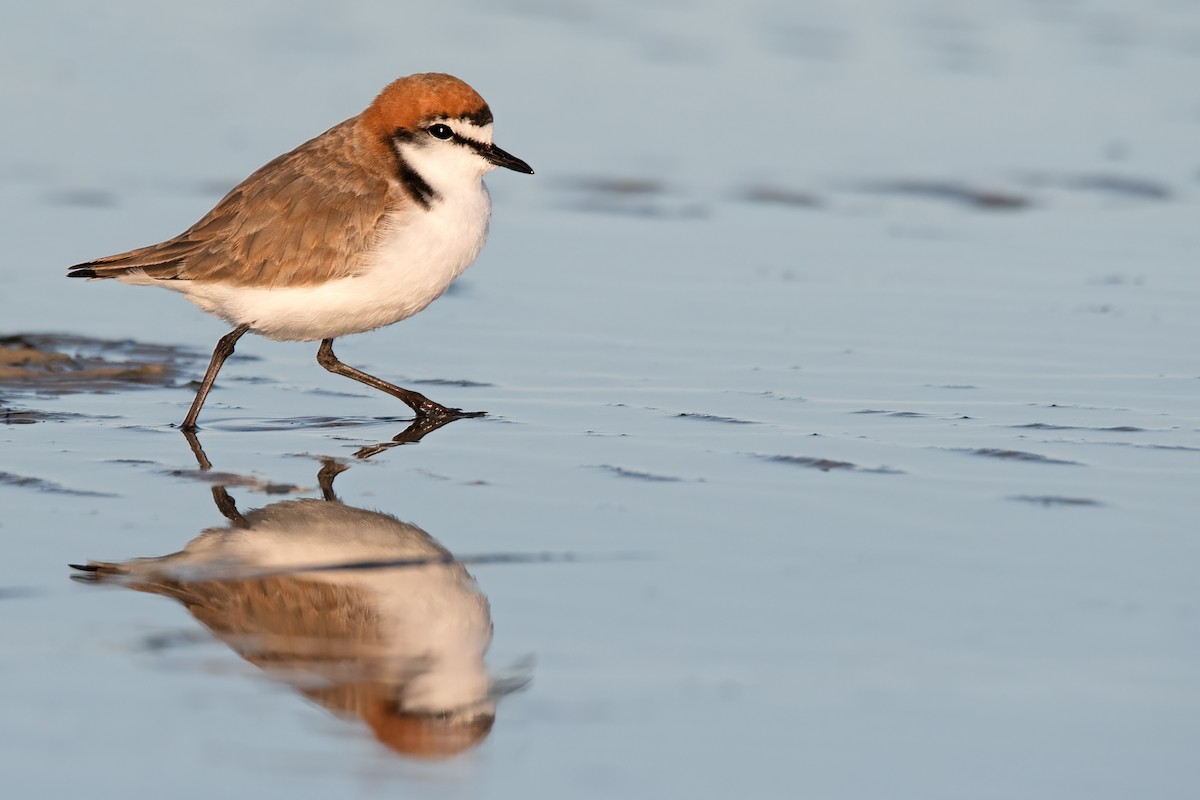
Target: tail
97,571
158,262
83,271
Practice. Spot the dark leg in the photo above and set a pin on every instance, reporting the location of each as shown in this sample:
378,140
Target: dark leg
422,405
416,430
225,503
330,469
198,451
224,350
228,507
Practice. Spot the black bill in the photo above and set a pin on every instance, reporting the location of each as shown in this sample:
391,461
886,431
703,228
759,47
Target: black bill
507,160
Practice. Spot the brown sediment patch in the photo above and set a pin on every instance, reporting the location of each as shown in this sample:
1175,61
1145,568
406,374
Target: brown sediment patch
232,479
63,363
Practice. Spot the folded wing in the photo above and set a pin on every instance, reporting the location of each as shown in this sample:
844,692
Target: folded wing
309,216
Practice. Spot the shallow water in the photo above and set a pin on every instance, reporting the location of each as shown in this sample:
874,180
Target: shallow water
841,373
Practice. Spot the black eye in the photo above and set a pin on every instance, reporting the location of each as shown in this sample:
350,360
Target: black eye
440,131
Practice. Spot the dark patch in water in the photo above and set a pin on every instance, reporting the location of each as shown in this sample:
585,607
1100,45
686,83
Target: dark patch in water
887,413
1049,500
716,418
41,485
323,392
1105,183
1151,446
17,592
1015,455
780,196
25,416
81,198
13,417
641,476
620,186
1116,279
952,191
827,464
647,210
172,640
1077,407
1046,426
463,383
639,197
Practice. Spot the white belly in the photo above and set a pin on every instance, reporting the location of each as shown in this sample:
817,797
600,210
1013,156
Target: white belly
410,268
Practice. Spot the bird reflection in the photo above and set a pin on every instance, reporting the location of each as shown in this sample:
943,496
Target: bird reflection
366,615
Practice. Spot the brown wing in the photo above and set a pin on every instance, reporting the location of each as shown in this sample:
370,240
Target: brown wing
308,216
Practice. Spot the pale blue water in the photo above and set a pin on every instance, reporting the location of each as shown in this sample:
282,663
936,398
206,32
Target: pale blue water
882,490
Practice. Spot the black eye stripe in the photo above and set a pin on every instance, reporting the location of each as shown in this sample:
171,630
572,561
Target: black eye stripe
473,144
444,132
403,136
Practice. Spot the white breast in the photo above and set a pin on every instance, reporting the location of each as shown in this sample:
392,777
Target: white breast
417,258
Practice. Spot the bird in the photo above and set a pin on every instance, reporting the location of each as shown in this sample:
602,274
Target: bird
365,615
358,228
